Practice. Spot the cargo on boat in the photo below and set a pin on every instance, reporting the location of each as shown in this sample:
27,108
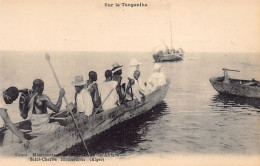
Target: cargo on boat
67,136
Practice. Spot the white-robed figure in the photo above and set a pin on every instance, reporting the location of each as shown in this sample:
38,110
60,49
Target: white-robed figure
83,100
107,89
156,79
134,90
133,66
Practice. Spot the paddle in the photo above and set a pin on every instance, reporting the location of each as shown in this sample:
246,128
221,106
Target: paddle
103,102
47,56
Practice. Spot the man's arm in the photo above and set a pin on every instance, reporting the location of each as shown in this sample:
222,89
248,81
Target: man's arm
57,106
11,126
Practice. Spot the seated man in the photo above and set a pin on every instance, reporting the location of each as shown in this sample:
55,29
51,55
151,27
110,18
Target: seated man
108,92
12,134
133,88
133,66
92,87
83,100
38,109
157,78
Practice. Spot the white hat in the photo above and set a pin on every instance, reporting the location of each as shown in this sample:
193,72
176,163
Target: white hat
116,67
156,67
79,81
134,62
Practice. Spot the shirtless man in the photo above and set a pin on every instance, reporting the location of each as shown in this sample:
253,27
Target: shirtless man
92,87
8,97
38,109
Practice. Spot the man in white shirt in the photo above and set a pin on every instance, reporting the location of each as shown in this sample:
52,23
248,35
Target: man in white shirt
13,134
109,96
133,66
134,89
83,100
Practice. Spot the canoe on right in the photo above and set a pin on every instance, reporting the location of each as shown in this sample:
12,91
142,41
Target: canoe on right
244,88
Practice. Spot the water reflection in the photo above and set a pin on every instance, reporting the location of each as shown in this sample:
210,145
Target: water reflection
226,101
123,138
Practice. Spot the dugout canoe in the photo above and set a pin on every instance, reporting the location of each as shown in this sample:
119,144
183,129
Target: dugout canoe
244,88
66,137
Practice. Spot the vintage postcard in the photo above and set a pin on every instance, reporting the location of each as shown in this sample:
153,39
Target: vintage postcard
130,82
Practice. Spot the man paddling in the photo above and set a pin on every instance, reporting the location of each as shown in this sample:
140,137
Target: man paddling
13,134
38,109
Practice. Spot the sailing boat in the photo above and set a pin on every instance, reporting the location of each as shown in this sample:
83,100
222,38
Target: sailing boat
168,54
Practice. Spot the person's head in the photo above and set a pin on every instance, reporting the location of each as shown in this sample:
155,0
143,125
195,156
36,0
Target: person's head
79,88
108,74
119,72
78,83
10,95
38,86
136,74
92,75
117,69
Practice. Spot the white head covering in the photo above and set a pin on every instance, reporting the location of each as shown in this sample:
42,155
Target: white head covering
78,81
134,62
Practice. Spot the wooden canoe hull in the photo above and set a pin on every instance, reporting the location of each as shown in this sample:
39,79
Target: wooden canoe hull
235,87
66,137
168,57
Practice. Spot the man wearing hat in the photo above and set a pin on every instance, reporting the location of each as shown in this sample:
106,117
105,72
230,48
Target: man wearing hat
83,100
117,72
156,79
13,134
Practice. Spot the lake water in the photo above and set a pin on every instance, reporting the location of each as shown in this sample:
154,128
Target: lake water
193,118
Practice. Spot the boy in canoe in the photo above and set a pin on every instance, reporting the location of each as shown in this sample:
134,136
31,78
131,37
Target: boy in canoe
13,134
38,109
134,85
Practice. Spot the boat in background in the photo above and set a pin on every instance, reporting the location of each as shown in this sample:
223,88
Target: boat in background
168,54
244,88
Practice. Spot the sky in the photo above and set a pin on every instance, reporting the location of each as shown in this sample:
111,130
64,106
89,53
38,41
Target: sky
76,25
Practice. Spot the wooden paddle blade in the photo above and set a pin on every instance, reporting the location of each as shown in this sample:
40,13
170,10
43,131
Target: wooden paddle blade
47,56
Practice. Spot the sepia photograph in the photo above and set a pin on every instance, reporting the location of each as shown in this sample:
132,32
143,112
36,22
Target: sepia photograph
130,82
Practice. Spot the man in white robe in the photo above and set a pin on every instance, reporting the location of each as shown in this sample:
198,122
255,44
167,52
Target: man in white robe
83,100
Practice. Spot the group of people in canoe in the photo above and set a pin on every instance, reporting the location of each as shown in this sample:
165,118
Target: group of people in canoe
90,97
